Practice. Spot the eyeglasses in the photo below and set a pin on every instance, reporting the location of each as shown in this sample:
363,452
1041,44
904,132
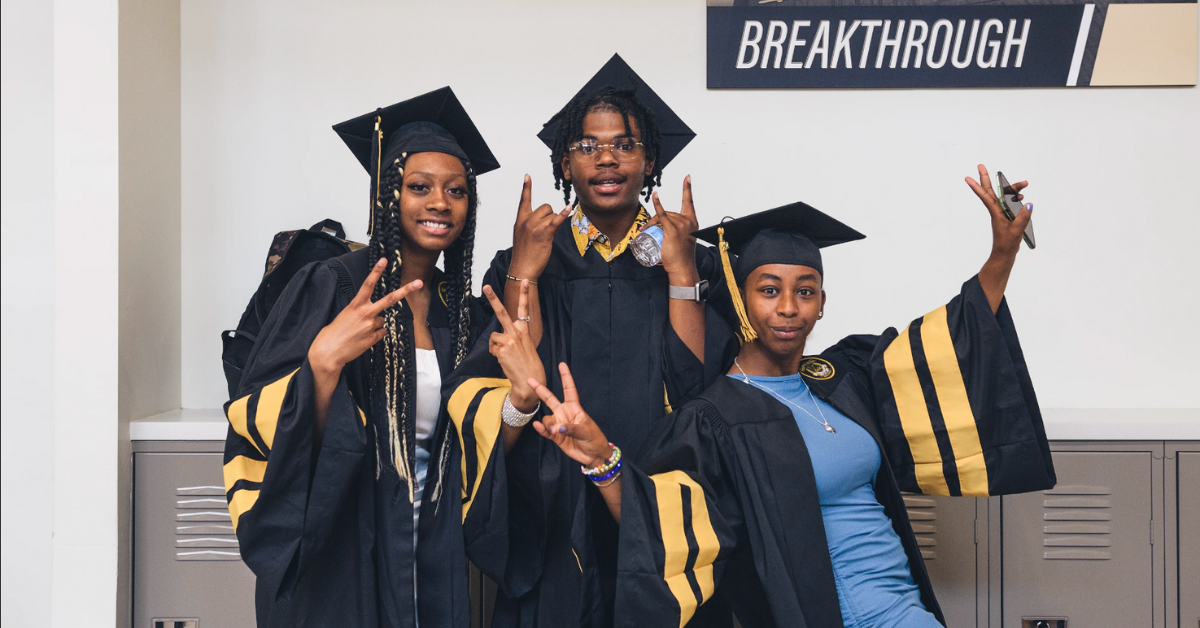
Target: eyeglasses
622,148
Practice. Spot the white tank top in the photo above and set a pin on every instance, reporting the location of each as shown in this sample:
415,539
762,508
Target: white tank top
429,394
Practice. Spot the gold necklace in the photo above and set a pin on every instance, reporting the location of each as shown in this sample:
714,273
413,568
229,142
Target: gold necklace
822,421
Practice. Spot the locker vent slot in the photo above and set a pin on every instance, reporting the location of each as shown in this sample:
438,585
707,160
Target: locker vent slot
203,528
1077,524
922,514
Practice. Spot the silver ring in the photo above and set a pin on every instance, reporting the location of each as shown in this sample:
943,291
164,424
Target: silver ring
523,319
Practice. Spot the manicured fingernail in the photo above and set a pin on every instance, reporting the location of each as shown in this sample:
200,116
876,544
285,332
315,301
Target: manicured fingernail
1029,206
562,429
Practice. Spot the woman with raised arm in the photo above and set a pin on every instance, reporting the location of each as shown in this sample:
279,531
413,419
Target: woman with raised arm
338,448
777,493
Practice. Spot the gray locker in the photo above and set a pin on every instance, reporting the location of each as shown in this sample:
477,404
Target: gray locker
946,532
1085,550
1183,534
186,565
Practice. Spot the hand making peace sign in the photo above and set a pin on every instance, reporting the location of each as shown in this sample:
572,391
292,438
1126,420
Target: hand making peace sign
515,350
570,427
357,327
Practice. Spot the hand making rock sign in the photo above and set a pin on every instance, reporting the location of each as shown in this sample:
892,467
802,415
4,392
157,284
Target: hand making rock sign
533,239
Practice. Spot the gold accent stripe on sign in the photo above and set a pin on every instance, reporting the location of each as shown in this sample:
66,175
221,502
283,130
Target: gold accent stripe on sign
956,407
914,416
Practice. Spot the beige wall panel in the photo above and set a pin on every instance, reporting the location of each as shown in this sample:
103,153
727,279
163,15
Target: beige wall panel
1147,44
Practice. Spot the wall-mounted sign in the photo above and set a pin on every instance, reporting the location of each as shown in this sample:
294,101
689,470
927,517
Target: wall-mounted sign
949,43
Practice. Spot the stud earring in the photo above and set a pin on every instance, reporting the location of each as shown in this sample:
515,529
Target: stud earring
821,314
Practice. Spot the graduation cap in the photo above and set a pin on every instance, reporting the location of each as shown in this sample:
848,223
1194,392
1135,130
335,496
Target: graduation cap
791,234
616,73
434,122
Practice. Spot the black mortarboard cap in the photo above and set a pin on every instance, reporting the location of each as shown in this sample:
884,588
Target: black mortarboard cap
433,122
791,234
616,73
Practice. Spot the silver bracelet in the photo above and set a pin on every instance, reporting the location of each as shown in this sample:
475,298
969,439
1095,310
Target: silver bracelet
513,417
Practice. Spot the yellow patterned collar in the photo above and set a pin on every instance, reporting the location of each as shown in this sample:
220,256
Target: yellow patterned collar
587,235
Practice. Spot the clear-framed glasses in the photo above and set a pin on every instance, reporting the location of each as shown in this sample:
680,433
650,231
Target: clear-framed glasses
622,148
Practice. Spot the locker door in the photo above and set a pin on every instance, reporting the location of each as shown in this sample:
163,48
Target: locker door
945,529
1083,550
1188,500
186,563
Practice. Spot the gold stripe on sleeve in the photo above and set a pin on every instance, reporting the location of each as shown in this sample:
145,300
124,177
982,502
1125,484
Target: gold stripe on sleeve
485,428
675,546
243,468
956,408
914,416
241,503
237,420
270,401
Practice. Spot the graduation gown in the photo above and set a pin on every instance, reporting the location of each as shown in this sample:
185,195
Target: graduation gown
325,524
722,504
532,521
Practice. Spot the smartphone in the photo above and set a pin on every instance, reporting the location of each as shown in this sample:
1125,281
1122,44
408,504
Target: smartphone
1011,207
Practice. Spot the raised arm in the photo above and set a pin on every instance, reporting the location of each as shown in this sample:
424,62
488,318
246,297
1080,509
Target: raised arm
533,239
1006,237
679,260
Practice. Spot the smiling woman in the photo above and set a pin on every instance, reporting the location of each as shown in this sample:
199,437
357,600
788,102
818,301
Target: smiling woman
339,418
777,491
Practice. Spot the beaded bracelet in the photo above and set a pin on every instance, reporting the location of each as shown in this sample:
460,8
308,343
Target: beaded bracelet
608,465
614,478
611,475
532,282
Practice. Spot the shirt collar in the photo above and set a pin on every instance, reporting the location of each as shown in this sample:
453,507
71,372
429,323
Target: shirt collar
588,236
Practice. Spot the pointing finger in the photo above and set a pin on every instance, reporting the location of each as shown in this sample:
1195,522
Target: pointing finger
523,301
396,296
368,287
689,208
498,308
544,394
561,217
526,204
659,210
568,382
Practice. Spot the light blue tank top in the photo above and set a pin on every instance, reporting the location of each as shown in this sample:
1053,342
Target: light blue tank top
874,584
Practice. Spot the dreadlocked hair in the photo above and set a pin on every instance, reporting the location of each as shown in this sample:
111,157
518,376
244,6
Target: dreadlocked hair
617,100
390,367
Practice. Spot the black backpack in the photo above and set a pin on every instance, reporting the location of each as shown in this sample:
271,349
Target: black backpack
290,251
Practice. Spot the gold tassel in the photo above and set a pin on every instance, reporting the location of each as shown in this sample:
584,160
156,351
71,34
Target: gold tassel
735,295
378,141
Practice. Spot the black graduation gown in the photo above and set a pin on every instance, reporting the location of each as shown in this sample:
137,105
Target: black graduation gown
329,543
723,501
532,521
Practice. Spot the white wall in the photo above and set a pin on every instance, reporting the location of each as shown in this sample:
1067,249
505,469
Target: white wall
1103,305
149,360
28,298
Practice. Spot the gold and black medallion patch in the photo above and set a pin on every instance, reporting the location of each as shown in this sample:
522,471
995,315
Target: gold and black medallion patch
816,368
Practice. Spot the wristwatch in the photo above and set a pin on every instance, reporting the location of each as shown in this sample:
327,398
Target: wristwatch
697,293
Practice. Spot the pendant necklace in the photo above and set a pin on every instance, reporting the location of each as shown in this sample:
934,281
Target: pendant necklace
822,421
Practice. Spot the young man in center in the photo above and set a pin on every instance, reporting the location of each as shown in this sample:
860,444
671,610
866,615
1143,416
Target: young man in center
533,522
